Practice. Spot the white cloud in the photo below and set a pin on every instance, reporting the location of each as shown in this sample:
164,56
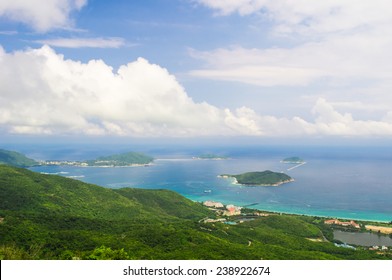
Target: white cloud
344,60
41,92
306,16
8,32
41,15
338,43
84,42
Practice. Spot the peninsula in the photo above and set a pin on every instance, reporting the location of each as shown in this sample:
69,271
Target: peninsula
117,160
260,178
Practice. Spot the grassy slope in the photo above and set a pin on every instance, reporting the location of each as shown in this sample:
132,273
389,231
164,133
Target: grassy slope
15,159
50,217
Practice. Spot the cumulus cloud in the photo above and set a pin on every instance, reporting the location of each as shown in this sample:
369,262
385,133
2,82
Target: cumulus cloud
43,93
41,15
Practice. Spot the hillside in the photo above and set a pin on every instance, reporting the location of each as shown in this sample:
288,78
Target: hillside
52,217
15,159
125,159
261,178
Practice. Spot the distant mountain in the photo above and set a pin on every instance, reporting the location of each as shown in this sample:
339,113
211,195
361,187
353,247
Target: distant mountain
53,217
15,159
125,159
261,178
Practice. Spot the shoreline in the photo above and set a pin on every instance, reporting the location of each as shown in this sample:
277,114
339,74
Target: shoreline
235,182
343,217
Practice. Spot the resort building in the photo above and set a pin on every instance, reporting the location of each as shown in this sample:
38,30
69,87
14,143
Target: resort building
232,210
345,224
214,204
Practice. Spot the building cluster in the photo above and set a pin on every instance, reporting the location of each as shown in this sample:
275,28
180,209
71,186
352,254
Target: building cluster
377,248
232,210
213,204
340,223
63,162
228,210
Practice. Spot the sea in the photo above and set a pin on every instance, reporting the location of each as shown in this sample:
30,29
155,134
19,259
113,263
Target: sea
336,181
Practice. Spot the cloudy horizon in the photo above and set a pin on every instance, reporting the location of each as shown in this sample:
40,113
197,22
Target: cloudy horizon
196,68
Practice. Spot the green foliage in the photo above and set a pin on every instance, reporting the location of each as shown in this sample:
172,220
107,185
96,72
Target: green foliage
211,156
52,217
121,160
106,253
293,160
261,178
15,159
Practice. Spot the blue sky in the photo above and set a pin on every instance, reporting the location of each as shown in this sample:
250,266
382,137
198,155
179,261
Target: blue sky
196,68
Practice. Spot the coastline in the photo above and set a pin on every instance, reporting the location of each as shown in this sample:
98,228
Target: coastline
320,213
235,182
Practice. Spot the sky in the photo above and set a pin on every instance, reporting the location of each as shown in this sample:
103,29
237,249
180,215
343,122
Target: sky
267,69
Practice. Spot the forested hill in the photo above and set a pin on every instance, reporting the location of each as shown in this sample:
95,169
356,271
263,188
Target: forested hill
15,159
52,217
125,159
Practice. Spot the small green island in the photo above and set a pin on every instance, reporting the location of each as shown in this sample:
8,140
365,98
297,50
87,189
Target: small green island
210,156
260,178
125,159
293,160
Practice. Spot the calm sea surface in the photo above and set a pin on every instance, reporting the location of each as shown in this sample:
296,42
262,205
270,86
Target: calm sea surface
362,238
353,183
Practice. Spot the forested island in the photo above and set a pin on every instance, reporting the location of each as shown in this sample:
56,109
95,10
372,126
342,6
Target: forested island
125,159
293,160
210,156
53,217
260,178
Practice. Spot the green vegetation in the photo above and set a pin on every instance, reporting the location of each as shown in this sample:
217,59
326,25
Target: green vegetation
293,160
15,159
261,178
125,159
210,156
52,217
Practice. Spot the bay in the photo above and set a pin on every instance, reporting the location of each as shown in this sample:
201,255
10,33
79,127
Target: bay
343,182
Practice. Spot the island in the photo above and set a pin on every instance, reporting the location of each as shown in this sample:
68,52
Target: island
210,156
126,159
260,178
293,160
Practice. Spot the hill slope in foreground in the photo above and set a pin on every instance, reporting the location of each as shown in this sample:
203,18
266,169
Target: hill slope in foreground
52,217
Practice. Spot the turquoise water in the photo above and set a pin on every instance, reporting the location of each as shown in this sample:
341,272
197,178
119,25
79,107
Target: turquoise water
334,182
